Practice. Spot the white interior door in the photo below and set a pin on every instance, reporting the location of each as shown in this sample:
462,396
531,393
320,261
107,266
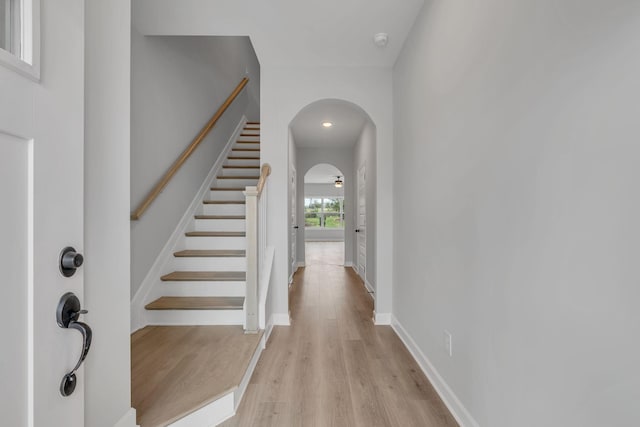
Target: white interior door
293,220
41,189
361,223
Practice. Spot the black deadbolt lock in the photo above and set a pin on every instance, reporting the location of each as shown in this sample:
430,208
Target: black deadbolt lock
70,260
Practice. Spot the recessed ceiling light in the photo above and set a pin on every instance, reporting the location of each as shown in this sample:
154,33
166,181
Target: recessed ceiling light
327,124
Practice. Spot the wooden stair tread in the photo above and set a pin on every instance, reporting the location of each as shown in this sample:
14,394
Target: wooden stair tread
227,189
170,362
210,253
205,276
196,303
224,202
220,217
242,158
245,149
215,234
248,142
240,167
238,177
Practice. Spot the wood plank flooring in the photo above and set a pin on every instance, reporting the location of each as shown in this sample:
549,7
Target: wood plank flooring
178,369
333,367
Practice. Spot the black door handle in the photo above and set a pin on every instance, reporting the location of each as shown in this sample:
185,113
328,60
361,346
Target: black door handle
296,227
357,230
67,316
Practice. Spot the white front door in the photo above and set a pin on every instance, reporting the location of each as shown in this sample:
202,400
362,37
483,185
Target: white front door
294,221
41,212
361,223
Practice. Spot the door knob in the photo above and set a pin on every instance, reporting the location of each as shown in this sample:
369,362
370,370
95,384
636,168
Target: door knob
357,230
296,227
67,315
70,260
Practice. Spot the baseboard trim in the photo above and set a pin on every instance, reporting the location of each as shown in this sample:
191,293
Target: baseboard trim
382,318
457,409
369,288
281,319
145,292
348,264
301,264
128,419
242,387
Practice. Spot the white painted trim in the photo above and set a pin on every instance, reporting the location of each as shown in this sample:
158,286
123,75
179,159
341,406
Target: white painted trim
268,330
291,278
301,264
210,415
382,318
369,288
242,387
265,281
457,409
138,313
281,319
128,419
349,264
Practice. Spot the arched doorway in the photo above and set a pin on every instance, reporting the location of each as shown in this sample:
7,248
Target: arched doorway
324,215
340,134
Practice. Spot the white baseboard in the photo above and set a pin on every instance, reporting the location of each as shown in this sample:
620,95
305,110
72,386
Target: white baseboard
212,414
268,330
382,318
369,288
301,264
281,319
128,419
239,392
144,293
348,264
457,409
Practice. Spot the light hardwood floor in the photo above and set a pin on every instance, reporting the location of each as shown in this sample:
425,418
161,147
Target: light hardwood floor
333,367
178,369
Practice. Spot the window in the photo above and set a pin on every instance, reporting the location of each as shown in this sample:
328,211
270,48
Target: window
10,26
20,36
324,212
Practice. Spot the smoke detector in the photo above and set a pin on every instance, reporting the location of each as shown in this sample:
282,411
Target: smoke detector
381,39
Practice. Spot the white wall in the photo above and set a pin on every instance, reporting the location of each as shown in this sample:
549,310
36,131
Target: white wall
312,190
106,270
284,92
364,153
516,194
291,177
341,158
178,83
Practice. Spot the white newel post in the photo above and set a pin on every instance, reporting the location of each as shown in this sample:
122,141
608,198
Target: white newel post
251,296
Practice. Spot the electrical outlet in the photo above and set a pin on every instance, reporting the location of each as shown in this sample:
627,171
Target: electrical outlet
448,343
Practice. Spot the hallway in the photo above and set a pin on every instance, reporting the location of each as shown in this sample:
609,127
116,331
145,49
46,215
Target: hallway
332,366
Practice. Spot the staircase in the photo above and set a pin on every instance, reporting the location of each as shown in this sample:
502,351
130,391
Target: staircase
208,279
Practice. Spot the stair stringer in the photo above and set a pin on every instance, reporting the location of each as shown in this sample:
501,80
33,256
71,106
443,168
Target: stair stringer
150,287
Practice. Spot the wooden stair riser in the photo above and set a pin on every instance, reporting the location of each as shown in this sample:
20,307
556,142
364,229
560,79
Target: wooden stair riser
219,225
231,171
223,210
208,264
195,317
203,289
215,242
235,182
254,130
243,162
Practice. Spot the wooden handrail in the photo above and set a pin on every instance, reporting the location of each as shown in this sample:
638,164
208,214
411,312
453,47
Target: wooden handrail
187,153
264,173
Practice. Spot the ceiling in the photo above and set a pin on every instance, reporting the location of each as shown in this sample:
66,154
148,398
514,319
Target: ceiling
290,32
348,121
322,173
